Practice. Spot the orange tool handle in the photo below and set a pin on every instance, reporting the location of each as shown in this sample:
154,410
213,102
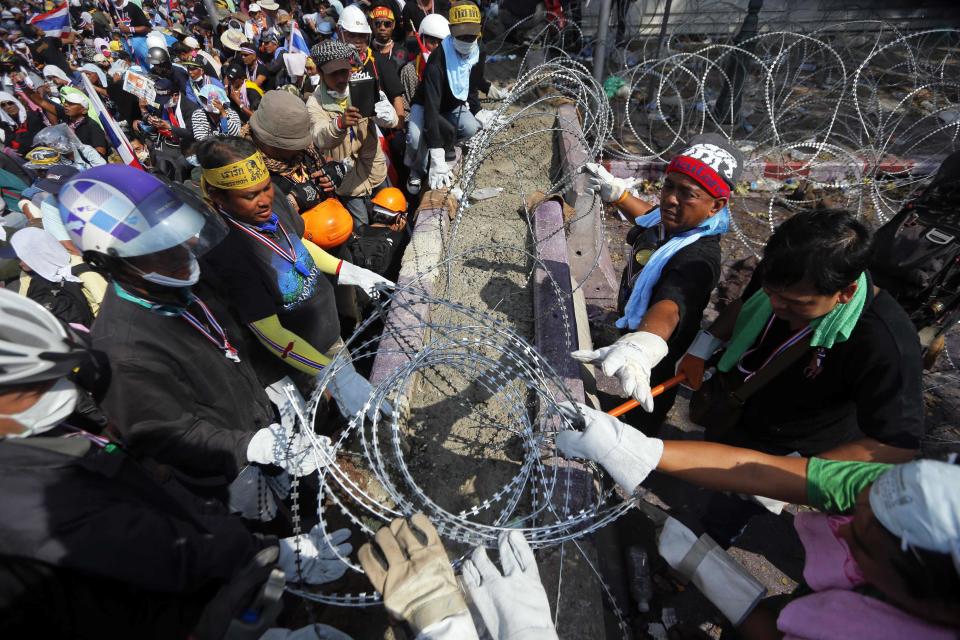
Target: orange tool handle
630,405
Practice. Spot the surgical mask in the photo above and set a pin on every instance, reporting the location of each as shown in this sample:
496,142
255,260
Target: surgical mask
51,409
143,156
192,159
167,281
465,48
338,95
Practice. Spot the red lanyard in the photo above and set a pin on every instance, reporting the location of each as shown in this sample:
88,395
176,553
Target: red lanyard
222,342
792,340
290,256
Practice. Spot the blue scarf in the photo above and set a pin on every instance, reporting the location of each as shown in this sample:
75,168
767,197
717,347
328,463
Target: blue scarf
270,226
643,288
458,68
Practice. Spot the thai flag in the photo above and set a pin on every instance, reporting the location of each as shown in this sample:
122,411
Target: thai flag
53,23
114,135
296,43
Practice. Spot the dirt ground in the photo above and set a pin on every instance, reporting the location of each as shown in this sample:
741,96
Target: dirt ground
463,453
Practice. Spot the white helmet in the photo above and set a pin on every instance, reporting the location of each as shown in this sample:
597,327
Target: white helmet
353,20
34,345
435,26
124,212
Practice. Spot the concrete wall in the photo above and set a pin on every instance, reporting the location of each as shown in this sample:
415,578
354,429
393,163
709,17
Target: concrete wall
717,17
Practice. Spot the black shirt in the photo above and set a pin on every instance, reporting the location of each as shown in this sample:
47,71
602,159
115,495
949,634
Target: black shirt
258,283
136,16
88,132
436,97
173,394
687,280
412,12
379,249
49,50
868,386
385,71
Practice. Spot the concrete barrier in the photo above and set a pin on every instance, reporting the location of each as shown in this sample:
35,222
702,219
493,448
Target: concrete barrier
407,323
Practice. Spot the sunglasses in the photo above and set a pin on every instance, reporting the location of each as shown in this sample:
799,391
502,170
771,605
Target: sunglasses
383,23
7,103
467,38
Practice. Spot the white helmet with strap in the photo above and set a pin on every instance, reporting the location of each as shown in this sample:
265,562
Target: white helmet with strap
34,345
435,26
353,20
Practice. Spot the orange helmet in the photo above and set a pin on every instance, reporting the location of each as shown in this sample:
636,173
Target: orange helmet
328,224
391,199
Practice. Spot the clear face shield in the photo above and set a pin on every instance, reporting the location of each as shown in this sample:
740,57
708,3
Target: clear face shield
177,238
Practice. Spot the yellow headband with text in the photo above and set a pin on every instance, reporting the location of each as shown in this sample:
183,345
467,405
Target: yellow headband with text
242,174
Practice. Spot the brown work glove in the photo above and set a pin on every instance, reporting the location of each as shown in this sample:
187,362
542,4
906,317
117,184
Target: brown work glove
694,361
417,583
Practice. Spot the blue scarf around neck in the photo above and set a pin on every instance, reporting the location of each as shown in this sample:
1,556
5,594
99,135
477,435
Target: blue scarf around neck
458,68
643,288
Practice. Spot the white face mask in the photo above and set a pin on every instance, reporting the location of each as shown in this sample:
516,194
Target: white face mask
51,409
426,55
465,48
167,281
338,95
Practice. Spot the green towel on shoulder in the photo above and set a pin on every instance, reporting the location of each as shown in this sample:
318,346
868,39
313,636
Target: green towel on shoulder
828,330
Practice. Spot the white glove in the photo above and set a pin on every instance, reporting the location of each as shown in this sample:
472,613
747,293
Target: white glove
718,576
367,280
384,114
487,118
319,561
496,93
439,176
309,632
630,359
513,605
291,451
601,181
625,453
350,391
254,494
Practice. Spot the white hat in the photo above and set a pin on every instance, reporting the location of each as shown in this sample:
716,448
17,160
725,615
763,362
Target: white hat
253,8
919,502
353,20
191,42
15,10
76,98
435,26
53,71
269,5
233,39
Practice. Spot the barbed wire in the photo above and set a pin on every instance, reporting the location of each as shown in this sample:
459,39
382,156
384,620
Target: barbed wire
845,113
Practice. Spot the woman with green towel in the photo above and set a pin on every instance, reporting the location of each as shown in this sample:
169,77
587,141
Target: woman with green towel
849,379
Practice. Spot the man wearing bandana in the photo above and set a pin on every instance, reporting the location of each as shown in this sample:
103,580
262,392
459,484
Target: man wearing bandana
673,267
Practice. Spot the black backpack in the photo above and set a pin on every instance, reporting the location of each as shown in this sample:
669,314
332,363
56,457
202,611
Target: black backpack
917,253
63,299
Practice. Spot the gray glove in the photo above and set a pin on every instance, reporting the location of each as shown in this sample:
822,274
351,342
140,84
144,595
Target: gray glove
319,561
291,451
513,604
